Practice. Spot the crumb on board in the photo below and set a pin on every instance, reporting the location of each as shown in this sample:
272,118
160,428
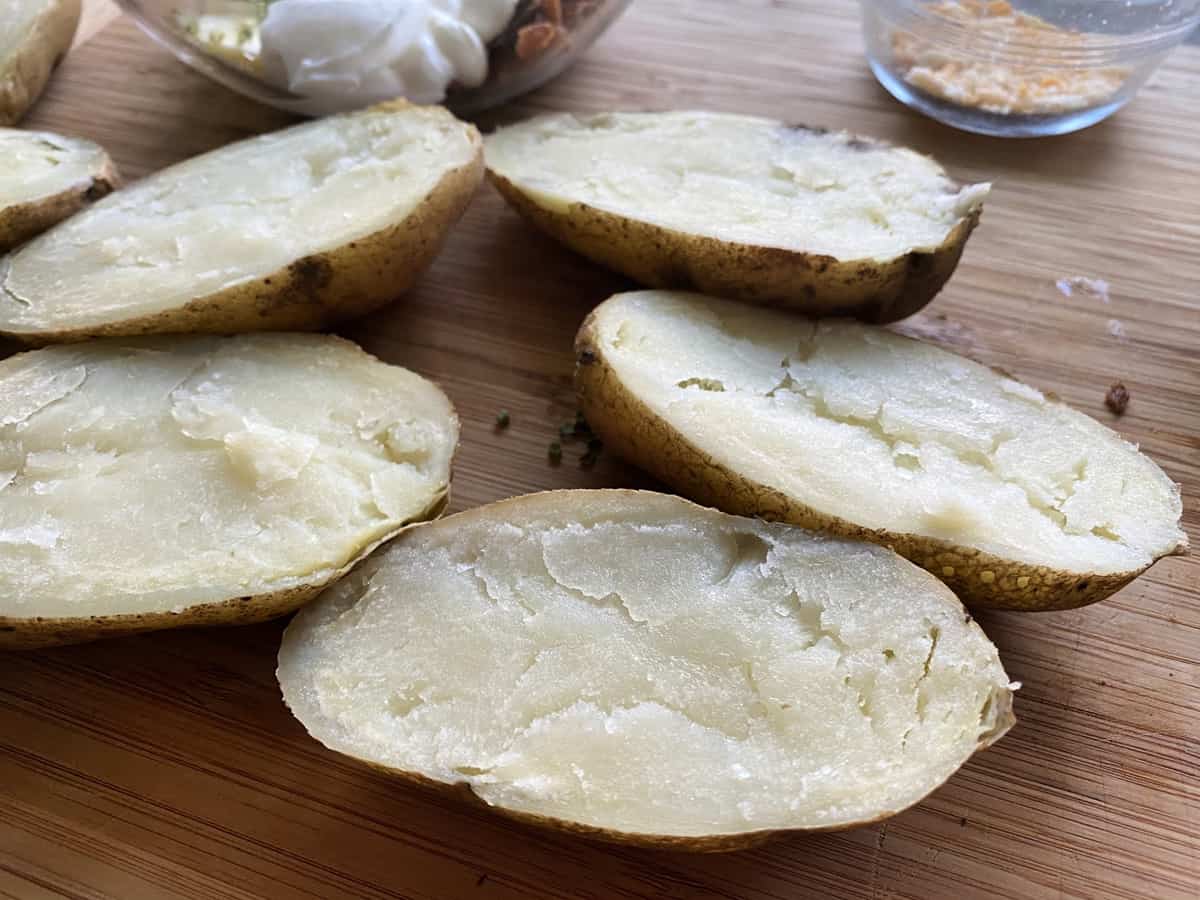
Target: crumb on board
1116,328
1096,288
1117,398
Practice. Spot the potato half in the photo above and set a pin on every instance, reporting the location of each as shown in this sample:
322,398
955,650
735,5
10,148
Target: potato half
1006,494
151,483
632,667
34,36
45,178
748,208
295,229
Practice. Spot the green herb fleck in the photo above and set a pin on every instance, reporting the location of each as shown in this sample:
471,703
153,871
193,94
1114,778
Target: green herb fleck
245,34
554,452
503,419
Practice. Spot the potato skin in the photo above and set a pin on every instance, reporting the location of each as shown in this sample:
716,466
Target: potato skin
37,632
815,285
981,580
315,291
711,843
24,74
25,220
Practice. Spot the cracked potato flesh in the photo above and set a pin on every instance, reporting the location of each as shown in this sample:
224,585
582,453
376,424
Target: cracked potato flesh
629,665
1010,496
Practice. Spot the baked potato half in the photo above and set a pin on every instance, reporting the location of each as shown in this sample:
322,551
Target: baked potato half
627,666
34,36
1008,495
826,223
291,230
45,178
160,482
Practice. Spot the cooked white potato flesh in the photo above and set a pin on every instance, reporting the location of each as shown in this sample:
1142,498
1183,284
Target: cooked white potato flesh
738,178
233,216
887,433
630,662
148,476
44,179
38,165
34,35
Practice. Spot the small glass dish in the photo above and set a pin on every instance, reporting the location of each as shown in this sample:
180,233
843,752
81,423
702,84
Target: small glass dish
1024,68
222,39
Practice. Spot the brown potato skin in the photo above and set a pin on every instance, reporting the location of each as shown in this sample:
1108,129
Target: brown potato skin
25,220
316,291
712,843
37,632
813,284
24,74
634,432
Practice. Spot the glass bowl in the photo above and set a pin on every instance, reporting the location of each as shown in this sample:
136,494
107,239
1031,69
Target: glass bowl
1024,68
224,40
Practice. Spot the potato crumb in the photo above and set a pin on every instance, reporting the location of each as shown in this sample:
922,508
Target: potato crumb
1001,87
1096,288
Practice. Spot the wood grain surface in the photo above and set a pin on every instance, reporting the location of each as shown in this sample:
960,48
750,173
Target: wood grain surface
166,766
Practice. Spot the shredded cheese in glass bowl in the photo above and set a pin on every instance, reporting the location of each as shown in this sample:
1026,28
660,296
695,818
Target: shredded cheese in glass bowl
1021,68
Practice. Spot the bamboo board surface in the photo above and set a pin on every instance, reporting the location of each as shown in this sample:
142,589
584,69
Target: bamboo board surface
166,766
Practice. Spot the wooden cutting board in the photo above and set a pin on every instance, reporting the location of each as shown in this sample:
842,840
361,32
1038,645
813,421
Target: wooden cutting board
166,766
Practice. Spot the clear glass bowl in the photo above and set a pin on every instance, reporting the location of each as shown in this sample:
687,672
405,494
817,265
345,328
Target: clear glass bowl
1024,68
530,51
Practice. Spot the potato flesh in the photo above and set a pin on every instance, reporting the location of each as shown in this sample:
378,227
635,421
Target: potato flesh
16,18
242,212
147,476
39,165
738,178
636,663
888,433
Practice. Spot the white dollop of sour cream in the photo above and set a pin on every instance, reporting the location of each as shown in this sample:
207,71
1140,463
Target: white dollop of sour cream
339,53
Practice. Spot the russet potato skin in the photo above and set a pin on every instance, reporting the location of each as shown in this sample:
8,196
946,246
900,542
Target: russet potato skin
315,291
816,285
22,221
981,580
24,74
38,632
